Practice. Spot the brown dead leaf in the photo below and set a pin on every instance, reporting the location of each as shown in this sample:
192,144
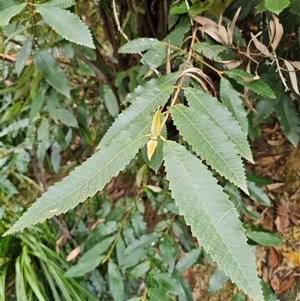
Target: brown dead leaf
276,32
292,75
293,257
282,280
267,160
282,221
260,46
230,28
73,254
274,258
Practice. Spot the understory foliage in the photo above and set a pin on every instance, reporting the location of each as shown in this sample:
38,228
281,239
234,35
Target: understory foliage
199,91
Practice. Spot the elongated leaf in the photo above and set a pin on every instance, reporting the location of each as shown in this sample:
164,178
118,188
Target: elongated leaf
139,45
176,37
212,218
288,118
263,109
155,56
209,142
246,79
66,117
264,238
20,124
147,99
66,24
231,99
7,14
23,55
88,178
222,118
54,75
115,281
61,3
217,281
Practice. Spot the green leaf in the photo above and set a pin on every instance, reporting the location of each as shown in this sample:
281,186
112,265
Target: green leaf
221,117
209,142
55,156
258,195
231,99
54,75
212,217
61,3
295,7
66,117
288,118
216,281
139,45
276,6
23,55
83,267
88,178
43,130
264,238
156,294
188,259
7,14
147,99
246,79
155,56
144,241
212,52
36,106
140,270
66,24
20,124
176,37
168,283
115,281
110,101
263,109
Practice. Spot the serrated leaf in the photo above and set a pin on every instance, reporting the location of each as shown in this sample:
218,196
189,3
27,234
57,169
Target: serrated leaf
231,99
255,85
276,6
7,14
212,52
155,56
23,55
288,118
115,281
61,3
20,124
210,143
169,284
143,242
88,178
54,75
176,37
148,98
66,24
222,118
139,45
212,218
264,238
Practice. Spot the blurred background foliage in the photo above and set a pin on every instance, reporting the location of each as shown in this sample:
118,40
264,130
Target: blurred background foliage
51,122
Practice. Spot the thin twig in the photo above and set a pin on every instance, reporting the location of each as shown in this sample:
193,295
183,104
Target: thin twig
118,22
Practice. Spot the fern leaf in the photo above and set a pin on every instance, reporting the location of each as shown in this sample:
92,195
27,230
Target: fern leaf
66,24
139,45
231,99
277,6
288,118
246,79
209,106
148,98
209,142
211,216
88,178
